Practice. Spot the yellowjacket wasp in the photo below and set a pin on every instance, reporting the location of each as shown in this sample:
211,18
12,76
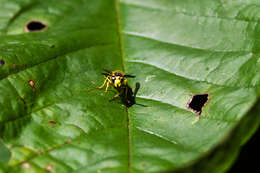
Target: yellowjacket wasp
119,81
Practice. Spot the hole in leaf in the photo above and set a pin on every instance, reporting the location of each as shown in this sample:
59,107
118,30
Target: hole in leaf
2,62
34,25
197,102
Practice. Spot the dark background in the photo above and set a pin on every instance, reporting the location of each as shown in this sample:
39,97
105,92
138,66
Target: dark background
248,159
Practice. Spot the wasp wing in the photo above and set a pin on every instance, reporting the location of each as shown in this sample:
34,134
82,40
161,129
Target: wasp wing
129,76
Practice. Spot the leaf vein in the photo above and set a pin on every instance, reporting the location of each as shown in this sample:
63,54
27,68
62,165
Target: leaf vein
186,77
175,11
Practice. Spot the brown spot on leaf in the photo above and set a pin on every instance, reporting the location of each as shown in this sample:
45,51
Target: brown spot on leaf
49,168
18,67
25,165
68,141
31,83
52,123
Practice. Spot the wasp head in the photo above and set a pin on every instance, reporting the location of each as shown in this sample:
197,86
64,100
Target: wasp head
117,78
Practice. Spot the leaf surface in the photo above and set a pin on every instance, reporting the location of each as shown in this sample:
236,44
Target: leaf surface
53,117
4,153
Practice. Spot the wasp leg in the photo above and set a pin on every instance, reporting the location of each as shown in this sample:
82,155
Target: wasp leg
100,87
108,71
115,97
107,87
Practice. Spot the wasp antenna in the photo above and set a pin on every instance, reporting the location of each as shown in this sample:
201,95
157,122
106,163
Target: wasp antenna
130,76
106,74
108,71
137,86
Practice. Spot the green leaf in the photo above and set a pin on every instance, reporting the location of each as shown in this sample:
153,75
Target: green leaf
53,118
4,153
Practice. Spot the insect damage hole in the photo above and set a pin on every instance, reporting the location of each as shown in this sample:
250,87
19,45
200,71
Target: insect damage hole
33,26
2,62
197,102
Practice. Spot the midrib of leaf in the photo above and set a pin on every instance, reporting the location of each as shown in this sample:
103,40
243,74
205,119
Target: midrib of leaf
119,30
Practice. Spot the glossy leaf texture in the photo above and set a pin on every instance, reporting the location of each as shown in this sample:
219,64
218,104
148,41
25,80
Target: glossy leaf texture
53,118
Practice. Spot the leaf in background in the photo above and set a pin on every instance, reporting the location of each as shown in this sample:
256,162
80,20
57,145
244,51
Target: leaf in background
53,119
